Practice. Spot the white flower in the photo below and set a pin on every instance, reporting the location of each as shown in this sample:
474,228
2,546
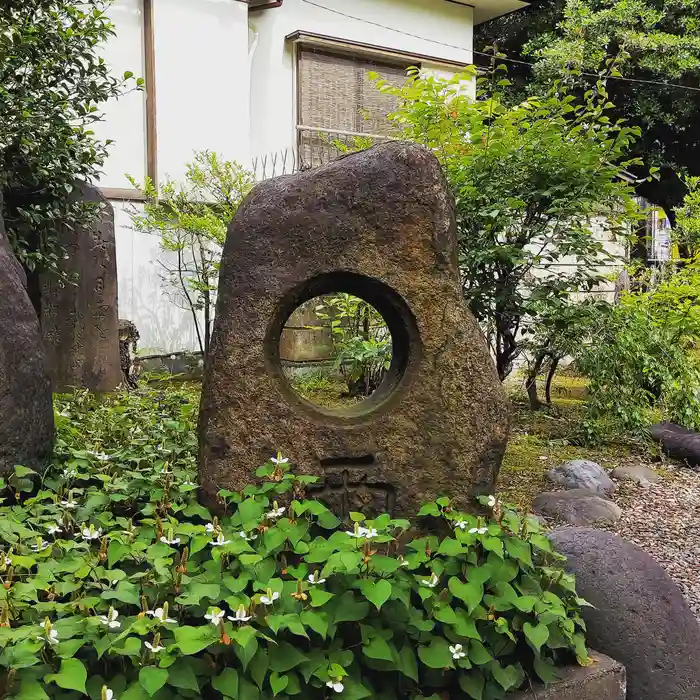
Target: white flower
155,648
161,615
90,533
457,652
270,598
54,529
164,470
188,483
40,546
110,619
276,513
478,531
240,615
432,581
220,541
210,528
363,532
336,685
215,616
461,524
402,562
165,540
53,637
101,456
279,459
314,579
491,502
107,693
69,473
70,503
246,537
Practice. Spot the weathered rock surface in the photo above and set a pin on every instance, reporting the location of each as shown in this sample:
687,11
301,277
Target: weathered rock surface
577,507
26,409
583,474
640,617
678,442
380,225
604,679
79,321
637,472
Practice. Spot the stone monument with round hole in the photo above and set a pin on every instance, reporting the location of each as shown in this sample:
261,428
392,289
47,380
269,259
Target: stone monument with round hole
379,225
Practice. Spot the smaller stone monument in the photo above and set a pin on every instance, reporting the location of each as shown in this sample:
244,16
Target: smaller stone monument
26,409
378,225
79,317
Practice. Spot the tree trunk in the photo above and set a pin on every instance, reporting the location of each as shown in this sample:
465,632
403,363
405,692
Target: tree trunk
531,382
554,363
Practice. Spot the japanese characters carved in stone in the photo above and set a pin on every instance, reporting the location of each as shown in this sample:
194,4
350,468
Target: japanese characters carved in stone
379,225
26,410
79,317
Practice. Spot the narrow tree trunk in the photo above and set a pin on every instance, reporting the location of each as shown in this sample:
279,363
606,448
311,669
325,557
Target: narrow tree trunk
531,382
550,376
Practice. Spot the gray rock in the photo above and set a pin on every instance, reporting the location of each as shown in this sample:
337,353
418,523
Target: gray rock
604,679
637,473
640,617
583,474
577,507
677,442
26,409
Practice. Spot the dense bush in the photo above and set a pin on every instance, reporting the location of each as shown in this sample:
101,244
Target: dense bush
118,584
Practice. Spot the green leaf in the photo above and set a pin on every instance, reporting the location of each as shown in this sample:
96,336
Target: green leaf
285,657
181,675
115,552
378,649
520,550
377,592
227,682
153,679
478,654
471,592
407,662
316,621
278,683
134,692
194,593
71,676
30,689
319,597
258,667
472,683
451,548
546,670
436,654
347,609
192,640
536,635
508,677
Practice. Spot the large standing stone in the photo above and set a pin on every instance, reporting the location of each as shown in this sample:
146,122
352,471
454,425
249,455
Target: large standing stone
640,617
79,320
678,442
26,410
377,224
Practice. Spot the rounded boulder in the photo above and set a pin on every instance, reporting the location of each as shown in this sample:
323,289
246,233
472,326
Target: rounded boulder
640,617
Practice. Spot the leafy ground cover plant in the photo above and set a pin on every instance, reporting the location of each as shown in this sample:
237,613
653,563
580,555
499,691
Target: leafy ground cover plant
119,585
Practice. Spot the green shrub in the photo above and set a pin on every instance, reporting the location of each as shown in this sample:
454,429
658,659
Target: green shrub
118,584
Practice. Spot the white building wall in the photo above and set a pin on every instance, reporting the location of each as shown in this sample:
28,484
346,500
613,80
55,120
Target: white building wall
202,98
421,27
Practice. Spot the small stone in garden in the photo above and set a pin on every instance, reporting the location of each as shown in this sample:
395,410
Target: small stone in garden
26,410
638,473
577,507
640,617
583,474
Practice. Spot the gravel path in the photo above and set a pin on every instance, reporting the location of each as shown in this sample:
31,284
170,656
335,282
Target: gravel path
664,520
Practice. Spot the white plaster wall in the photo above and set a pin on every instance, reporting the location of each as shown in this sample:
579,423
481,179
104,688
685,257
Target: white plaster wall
203,81
435,24
125,120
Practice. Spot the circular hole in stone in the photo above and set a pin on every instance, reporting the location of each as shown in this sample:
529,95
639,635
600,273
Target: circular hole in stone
341,344
335,350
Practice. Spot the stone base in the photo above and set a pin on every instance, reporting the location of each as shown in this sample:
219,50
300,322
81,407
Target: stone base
604,679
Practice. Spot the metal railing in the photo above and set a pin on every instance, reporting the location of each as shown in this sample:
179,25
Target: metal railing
314,147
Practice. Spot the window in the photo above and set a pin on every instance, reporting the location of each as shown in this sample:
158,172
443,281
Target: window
337,100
